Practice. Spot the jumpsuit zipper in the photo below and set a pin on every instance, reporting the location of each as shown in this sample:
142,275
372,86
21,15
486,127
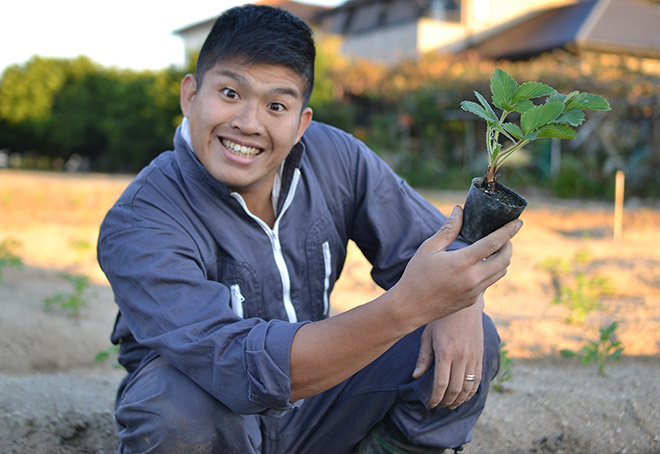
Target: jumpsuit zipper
274,237
237,299
327,262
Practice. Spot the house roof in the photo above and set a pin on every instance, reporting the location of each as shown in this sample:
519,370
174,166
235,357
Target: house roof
307,12
619,26
358,16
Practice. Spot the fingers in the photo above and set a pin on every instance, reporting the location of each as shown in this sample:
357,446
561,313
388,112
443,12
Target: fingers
452,386
468,388
477,381
424,357
490,269
441,382
490,244
449,230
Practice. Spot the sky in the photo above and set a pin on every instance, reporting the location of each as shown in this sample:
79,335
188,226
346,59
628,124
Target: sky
134,34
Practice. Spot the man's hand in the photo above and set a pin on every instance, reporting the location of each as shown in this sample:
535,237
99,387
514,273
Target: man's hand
437,283
456,342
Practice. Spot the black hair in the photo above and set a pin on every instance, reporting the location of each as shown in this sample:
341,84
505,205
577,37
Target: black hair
260,34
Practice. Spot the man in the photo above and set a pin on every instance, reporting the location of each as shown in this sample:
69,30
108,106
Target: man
222,255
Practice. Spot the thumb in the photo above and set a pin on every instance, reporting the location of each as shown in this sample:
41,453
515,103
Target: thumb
424,357
449,230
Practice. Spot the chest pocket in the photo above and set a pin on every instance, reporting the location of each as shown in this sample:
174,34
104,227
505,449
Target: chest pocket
245,290
237,299
325,255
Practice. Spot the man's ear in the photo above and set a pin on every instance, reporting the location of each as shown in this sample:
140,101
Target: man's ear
305,120
188,91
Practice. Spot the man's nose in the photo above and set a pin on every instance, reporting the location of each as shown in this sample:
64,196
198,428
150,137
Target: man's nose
248,119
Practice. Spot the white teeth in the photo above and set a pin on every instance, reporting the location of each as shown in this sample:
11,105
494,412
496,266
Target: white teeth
240,150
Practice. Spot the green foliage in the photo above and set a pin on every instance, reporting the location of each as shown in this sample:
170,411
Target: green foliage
107,353
118,119
606,349
583,296
555,116
328,61
576,179
8,255
505,373
28,93
82,247
71,303
575,288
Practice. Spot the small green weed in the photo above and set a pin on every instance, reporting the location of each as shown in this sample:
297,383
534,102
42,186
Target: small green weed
505,373
580,292
71,303
82,248
8,256
81,245
606,349
111,351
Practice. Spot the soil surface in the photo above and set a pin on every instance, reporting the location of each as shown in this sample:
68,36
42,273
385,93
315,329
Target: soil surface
54,398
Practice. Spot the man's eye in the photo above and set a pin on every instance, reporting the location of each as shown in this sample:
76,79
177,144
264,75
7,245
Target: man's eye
277,107
229,93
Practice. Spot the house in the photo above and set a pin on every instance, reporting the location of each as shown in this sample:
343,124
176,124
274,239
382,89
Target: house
628,27
390,31
193,35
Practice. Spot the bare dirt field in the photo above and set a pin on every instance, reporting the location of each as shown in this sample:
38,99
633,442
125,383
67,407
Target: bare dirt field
55,399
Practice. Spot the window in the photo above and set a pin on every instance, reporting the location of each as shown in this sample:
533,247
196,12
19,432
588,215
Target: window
444,10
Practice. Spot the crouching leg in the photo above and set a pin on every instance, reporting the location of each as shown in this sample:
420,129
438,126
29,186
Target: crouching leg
161,410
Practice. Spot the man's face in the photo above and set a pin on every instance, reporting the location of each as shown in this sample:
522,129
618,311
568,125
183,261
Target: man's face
244,120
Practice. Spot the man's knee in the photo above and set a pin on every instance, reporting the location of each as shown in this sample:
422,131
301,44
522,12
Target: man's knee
491,361
162,410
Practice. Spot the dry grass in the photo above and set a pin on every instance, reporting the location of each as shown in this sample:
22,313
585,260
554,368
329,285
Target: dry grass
56,218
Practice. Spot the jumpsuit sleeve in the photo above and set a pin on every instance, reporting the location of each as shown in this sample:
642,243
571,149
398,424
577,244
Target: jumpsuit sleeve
160,286
391,219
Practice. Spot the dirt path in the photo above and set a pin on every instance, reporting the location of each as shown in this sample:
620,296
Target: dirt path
55,399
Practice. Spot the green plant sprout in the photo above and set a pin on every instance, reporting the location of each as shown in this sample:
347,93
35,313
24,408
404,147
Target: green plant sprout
82,248
556,115
103,355
74,302
579,292
604,350
8,256
505,373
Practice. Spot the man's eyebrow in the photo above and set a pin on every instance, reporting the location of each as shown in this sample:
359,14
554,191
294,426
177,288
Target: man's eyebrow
286,92
243,81
233,75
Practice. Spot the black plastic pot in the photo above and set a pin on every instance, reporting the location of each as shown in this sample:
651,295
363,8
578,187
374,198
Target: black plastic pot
484,213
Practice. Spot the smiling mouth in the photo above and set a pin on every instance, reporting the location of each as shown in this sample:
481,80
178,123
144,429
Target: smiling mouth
240,150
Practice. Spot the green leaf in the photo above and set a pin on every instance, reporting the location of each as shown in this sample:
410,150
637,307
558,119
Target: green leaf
523,106
513,129
574,117
503,87
476,109
102,356
566,353
532,136
587,101
556,96
487,107
540,115
611,328
557,130
530,90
